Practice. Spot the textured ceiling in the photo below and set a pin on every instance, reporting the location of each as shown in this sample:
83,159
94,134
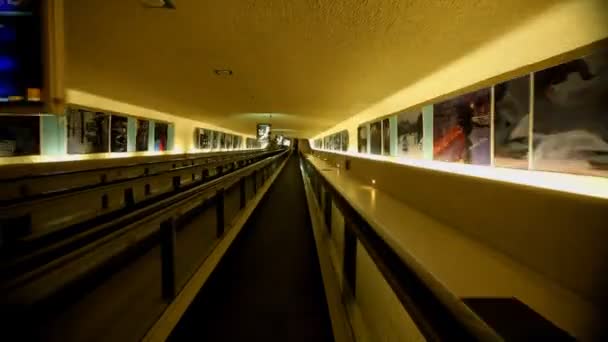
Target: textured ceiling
316,62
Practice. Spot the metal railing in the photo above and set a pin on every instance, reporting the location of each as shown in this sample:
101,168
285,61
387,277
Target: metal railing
436,318
40,291
22,222
17,184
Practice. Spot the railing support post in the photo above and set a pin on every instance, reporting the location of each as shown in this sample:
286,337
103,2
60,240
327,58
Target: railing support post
243,193
327,210
349,266
255,182
219,210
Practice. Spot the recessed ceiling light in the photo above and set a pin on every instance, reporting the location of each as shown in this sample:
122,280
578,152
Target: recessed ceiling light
158,4
223,72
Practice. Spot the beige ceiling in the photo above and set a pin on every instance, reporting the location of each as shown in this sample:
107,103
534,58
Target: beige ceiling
316,62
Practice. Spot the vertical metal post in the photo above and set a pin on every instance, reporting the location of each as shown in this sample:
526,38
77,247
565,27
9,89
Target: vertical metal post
350,255
531,125
492,116
219,206
167,255
327,210
243,193
255,182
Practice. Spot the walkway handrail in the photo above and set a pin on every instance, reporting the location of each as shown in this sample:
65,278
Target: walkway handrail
129,232
437,314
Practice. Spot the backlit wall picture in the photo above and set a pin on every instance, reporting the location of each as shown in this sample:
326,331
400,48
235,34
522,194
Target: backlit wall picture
362,139
161,134
461,128
19,135
228,141
263,133
221,138
141,140
344,140
236,142
512,123
571,116
410,134
204,138
375,137
386,137
215,142
87,131
335,142
118,133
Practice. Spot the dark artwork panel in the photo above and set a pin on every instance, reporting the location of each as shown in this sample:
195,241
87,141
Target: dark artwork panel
386,137
236,142
228,141
375,137
344,140
250,142
461,129
118,134
410,134
362,139
511,123
215,141
221,138
205,139
161,134
141,140
327,143
88,132
570,116
335,142
19,135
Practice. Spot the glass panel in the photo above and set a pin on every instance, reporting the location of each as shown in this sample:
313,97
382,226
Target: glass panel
19,135
160,136
336,142
214,139
511,123
461,131
221,140
205,139
228,141
129,300
263,133
375,138
21,41
118,137
141,140
362,139
344,140
570,121
410,133
87,131
386,137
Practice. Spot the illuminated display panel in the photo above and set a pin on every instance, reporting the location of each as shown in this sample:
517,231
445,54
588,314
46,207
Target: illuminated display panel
550,120
21,71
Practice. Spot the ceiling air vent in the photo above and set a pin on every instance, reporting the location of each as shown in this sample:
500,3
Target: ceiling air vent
168,4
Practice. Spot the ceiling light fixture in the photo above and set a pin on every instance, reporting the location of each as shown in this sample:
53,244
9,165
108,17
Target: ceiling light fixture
168,4
223,72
